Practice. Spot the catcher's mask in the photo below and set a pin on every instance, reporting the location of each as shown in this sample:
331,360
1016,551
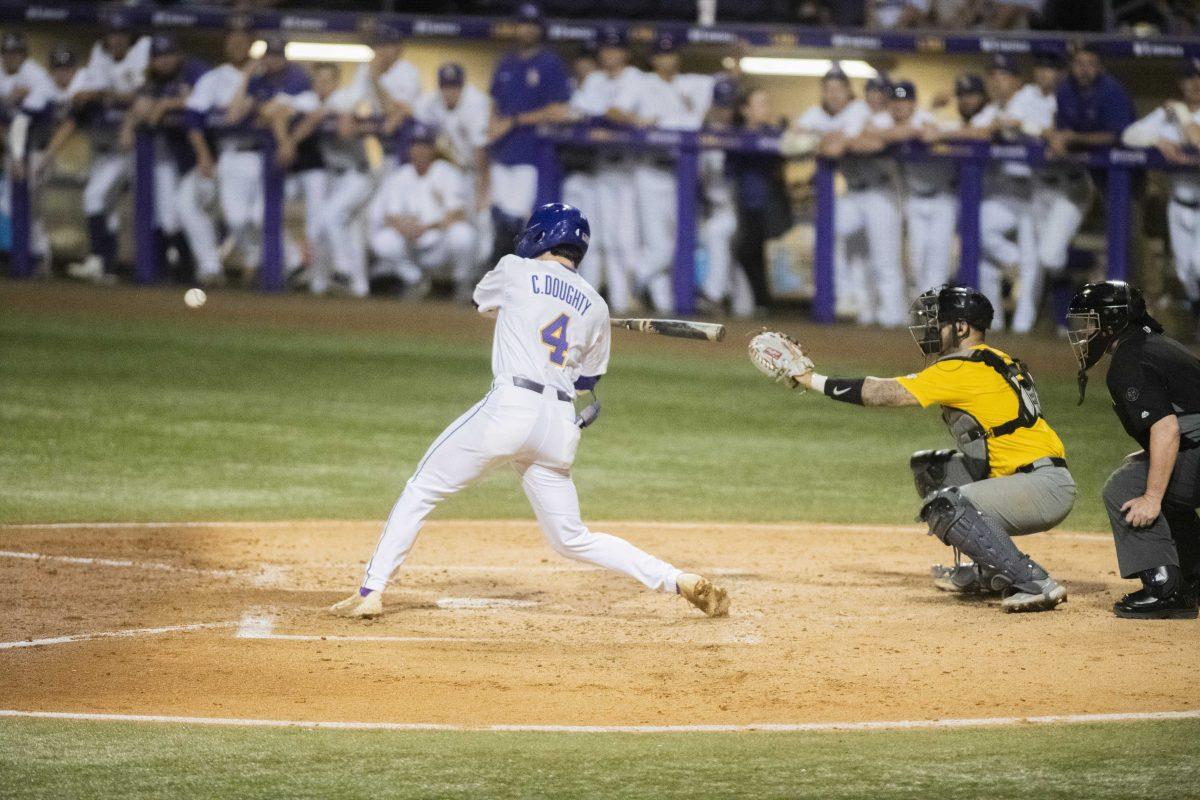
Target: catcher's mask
946,305
1099,313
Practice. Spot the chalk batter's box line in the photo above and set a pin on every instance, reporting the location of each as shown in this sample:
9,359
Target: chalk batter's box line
118,634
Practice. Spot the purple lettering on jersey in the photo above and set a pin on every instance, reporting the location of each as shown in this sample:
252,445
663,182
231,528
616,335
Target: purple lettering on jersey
554,336
533,281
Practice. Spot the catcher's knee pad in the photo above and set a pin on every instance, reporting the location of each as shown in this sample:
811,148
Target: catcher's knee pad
954,520
937,469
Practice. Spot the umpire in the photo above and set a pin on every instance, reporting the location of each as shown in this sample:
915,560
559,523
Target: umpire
1152,496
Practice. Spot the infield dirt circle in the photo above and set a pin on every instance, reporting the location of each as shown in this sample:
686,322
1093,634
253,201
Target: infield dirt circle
485,625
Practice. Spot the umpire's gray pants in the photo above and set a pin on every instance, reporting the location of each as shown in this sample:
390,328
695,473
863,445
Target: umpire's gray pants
1171,540
1025,502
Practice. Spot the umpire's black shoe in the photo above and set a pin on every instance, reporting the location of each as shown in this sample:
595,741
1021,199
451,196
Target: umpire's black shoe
1180,604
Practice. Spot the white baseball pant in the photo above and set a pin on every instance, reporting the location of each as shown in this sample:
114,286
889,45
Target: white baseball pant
535,433
724,276
1058,212
166,193
514,189
197,198
341,229
240,191
108,173
616,226
1183,221
39,238
658,209
931,224
868,222
579,190
453,248
1007,242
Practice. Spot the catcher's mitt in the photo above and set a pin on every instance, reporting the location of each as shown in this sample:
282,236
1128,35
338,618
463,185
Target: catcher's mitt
779,356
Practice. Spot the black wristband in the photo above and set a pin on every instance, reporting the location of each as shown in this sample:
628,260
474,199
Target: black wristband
847,390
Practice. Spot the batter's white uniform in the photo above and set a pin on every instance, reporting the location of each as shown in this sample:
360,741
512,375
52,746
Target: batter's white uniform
1062,195
1008,241
679,104
869,274
552,328
930,211
616,196
463,131
1183,211
430,198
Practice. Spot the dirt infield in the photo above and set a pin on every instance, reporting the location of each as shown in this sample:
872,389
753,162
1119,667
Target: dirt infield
487,626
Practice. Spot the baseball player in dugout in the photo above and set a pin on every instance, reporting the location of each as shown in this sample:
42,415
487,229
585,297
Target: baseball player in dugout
1152,496
551,344
1008,476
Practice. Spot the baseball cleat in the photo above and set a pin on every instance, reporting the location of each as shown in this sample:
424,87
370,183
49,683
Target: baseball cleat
703,594
963,579
357,606
1051,595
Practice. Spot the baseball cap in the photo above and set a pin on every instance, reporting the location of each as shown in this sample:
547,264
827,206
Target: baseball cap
451,74
904,90
115,20
61,56
13,42
879,83
665,42
276,44
422,132
530,12
1191,68
610,36
163,44
725,93
1002,62
835,73
970,83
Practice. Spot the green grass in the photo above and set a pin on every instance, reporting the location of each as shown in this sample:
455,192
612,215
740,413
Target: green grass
1089,762
173,420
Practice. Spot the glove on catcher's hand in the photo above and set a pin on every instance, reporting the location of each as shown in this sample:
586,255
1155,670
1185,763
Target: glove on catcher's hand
779,356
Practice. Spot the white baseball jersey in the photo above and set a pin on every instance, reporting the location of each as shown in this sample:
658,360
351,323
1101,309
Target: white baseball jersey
464,126
338,153
1018,109
1161,124
888,12
601,92
31,76
401,82
922,178
214,91
679,104
552,326
124,76
850,121
429,197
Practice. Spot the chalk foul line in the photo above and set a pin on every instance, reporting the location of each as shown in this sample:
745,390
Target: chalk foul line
120,634
766,727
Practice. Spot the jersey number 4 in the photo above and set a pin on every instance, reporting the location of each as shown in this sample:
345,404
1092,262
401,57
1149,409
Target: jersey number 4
554,336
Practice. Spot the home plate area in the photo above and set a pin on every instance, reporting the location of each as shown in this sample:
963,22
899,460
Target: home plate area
487,627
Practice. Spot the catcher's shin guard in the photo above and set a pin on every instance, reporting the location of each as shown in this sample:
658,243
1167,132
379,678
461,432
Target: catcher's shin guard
953,520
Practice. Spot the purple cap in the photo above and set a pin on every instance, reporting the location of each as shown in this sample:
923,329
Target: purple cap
13,42
610,36
422,132
665,42
530,12
276,44
163,44
904,90
969,83
725,92
451,74
62,56
1004,63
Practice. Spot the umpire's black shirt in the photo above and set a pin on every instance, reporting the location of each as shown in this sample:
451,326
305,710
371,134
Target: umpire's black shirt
1153,376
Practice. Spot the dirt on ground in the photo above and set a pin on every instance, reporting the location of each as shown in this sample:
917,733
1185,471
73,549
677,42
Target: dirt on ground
485,625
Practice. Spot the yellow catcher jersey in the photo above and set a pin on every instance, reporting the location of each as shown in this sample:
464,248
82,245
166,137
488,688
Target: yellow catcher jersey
977,389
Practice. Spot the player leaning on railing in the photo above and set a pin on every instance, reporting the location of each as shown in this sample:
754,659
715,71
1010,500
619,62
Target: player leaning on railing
1009,476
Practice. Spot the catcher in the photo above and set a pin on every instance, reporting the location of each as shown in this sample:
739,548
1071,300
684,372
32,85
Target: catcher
1008,476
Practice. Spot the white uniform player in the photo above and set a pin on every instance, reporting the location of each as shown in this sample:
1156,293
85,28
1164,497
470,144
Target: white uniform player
930,202
552,336
1170,128
665,99
460,112
869,276
601,95
418,222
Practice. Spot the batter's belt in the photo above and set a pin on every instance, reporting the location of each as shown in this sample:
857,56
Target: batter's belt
534,386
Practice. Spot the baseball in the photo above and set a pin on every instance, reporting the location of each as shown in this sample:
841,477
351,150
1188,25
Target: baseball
194,298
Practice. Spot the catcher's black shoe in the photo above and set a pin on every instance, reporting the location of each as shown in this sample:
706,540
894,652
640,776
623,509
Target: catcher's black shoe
1142,604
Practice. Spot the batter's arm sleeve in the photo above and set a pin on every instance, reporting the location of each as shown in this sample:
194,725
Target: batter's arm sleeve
595,360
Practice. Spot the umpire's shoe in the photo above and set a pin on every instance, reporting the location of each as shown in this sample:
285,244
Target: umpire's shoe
1164,595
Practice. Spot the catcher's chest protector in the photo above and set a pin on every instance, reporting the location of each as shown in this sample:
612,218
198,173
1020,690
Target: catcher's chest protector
971,436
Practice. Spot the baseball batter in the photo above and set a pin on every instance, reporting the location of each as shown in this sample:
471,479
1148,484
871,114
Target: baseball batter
1009,477
551,341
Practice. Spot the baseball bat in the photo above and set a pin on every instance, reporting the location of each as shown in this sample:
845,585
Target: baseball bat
678,328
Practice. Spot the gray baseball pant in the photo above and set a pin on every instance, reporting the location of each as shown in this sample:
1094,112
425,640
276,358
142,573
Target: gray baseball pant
1171,540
